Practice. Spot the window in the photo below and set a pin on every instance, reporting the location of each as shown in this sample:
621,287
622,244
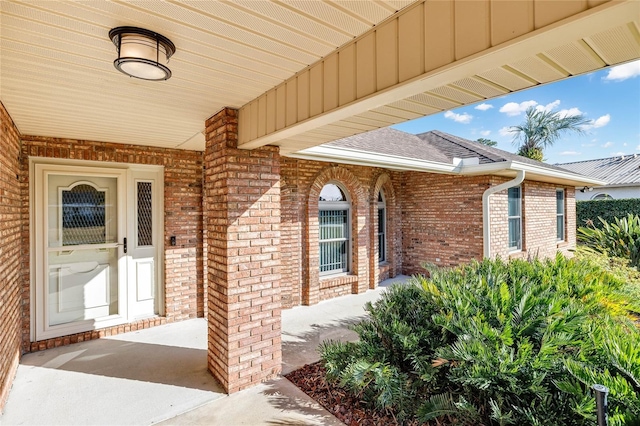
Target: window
602,196
515,218
382,228
560,214
334,209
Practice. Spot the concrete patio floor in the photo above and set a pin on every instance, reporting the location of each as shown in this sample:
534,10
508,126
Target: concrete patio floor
159,375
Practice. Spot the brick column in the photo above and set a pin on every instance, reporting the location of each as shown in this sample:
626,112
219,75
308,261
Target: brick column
242,201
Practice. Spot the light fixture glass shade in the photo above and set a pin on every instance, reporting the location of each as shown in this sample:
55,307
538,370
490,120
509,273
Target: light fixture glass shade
142,53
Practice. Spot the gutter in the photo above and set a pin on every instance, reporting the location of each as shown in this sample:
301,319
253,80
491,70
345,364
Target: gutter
511,165
372,159
486,230
463,167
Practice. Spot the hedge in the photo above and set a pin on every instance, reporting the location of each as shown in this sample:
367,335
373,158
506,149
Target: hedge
607,209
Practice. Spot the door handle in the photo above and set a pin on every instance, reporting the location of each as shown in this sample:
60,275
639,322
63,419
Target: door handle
124,245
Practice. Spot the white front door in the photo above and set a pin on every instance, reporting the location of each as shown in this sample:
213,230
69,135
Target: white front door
97,246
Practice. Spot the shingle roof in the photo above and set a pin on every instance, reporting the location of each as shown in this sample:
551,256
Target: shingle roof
617,170
455,146
432,146
392,142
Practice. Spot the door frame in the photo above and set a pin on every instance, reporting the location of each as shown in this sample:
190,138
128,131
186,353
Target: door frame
39,168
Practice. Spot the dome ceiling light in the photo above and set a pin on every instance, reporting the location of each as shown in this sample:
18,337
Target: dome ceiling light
142,53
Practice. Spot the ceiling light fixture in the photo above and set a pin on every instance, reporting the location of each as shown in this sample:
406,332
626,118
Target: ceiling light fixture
142,53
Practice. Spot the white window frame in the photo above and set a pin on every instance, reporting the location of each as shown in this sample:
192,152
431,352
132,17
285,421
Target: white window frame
382,233
561,215
518,217
335,206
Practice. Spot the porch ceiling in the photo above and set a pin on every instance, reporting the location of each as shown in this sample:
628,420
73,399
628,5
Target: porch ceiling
56,61
57,77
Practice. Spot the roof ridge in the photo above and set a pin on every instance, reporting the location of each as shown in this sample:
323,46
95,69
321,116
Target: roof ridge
477,147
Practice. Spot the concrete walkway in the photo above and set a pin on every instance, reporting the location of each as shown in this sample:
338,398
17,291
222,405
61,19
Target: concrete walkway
159,375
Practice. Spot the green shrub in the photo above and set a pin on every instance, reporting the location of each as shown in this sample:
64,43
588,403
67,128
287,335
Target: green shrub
588,212
495,343
620,238
626,299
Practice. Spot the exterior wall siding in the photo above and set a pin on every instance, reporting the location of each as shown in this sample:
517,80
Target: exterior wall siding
11,250
184,262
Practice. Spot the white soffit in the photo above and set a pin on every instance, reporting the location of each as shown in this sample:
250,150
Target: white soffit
57,77
56,61
550,44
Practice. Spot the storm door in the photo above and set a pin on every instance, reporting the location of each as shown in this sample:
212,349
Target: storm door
96,261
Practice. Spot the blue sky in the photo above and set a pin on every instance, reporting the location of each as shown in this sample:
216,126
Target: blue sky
609,98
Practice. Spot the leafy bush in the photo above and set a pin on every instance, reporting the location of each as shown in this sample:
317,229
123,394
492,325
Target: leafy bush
496,343
588,212
620,238
628,296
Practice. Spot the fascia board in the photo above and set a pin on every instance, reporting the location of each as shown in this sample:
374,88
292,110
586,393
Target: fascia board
537,171
371,159
393,162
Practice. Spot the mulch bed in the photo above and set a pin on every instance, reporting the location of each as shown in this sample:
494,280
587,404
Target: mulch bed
351,411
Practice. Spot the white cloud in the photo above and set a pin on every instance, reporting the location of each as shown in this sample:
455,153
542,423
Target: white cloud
625,144
514,108
598,122
483,107
463,118
607,145
623,72
485,133
570,153
505,131
615,154
638,148
549,107
571,112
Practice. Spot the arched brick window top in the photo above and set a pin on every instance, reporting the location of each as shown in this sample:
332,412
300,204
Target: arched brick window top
332,192
340,177
382,184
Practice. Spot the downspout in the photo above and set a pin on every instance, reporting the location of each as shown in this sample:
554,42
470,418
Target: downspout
486,230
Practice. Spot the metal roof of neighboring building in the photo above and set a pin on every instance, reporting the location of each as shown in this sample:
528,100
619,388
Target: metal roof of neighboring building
618,170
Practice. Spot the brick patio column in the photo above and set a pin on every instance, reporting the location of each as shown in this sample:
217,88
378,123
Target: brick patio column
242,205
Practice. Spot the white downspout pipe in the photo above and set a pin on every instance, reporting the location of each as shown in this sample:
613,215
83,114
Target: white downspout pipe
486,229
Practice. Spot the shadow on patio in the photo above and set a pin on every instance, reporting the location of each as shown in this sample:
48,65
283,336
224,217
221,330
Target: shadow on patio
152,375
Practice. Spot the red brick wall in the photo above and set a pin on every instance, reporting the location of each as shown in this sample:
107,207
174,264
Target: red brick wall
242,199
441,219
538,221
183,277
10,252
302,181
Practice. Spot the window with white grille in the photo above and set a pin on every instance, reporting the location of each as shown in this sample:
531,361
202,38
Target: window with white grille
334,224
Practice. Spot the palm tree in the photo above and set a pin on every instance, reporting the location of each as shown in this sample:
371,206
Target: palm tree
542,128
487,142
